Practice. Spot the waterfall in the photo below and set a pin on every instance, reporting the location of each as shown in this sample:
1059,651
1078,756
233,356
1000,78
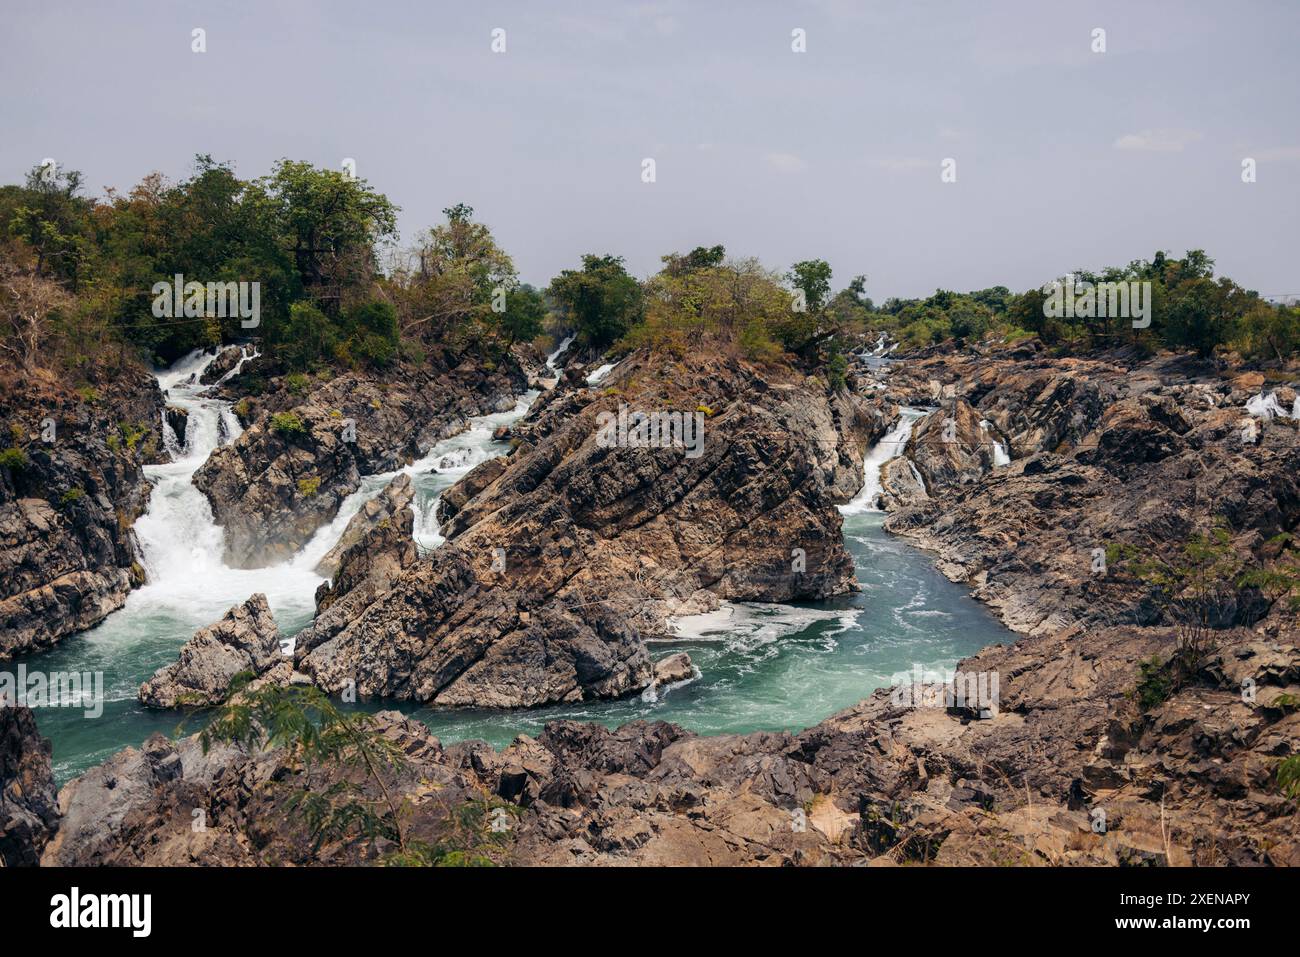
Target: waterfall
439,468
1001,456
181,546
246,353
889,447
1267,407
559,350
600,373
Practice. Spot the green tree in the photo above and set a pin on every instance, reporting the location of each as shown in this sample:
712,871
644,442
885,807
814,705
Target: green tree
327,222
813,277
600,302
451,279
701,257
524,314
347,788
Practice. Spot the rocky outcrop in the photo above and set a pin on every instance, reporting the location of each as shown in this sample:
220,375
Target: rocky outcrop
29,811
1070,767
71,485
950,447
901,484
291,469
561,561
175,804
384,507
368,567
178,420
108,811
226,362
246,639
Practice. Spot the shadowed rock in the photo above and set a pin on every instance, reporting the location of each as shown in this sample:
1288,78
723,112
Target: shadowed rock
29,812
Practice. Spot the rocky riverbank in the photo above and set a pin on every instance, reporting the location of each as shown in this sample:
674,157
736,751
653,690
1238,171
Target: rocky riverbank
1025,467
71,485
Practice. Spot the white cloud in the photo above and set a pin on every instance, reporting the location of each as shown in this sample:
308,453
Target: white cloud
1157,141
785,162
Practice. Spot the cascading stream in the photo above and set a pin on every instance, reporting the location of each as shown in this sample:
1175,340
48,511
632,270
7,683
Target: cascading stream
889,447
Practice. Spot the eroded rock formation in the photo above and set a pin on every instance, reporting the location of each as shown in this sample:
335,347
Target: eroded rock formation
71,485
246,639
563,557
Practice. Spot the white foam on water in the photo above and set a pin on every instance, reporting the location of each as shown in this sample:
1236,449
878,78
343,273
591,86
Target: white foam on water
188,583
440,467
550,360
889,447
181,547
1000,455
596,377
746,626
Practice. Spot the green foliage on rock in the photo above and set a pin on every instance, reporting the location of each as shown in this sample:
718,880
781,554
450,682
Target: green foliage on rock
14,459
345,788
288,424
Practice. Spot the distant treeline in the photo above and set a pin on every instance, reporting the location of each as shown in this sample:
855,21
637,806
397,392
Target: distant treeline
336,289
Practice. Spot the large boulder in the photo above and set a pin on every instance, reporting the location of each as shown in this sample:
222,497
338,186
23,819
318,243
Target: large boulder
246,639
951,446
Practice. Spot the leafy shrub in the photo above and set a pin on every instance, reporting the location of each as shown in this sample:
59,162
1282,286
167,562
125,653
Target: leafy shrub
836,368
131,433
296,383
13,459
308,487
288,424
1155,683
71,496
1288,776
756,345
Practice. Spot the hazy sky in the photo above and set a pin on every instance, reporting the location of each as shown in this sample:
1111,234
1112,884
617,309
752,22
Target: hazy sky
1065,158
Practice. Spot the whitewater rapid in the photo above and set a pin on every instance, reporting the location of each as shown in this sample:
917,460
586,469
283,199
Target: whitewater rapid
181,546
889,447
